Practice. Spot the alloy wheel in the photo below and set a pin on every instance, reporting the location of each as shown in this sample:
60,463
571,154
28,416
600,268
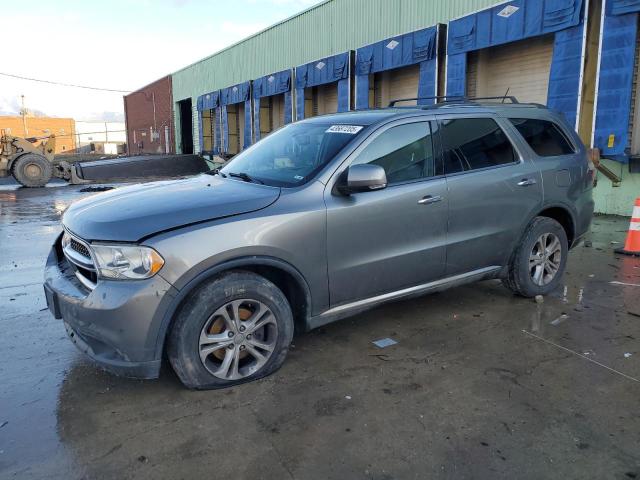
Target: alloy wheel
238,339
545,259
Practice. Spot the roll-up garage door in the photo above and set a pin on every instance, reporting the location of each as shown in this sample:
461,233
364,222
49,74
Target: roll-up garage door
326,98
265,117
634,124
397,84
521,68
271,114
277,111
233,116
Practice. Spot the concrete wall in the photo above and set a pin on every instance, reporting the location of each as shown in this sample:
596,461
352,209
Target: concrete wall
149,118
617,200
62,128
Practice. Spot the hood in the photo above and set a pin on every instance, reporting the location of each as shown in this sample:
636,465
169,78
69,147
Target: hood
131,213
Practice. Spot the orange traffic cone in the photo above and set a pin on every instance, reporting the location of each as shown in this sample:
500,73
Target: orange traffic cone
632,246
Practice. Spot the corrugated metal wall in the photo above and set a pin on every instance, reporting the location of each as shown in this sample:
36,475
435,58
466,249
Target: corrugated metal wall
328,28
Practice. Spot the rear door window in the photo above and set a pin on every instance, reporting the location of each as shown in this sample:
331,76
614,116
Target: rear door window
474,143
544,137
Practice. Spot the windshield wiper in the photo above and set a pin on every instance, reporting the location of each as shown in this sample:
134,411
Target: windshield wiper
246,177
216,171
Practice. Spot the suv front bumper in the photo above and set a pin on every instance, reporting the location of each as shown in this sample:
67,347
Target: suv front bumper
117,323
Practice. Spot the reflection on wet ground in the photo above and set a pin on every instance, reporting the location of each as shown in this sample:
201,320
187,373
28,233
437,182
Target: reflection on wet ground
481,384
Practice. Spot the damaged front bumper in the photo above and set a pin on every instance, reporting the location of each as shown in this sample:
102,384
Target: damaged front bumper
117,323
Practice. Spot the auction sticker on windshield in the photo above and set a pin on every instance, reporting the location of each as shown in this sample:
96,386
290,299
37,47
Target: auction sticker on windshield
350,129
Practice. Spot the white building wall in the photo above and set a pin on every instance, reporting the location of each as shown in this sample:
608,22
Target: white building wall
112,132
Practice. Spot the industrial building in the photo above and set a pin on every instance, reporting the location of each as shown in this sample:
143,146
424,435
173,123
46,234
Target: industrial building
41,127
579,57
149,119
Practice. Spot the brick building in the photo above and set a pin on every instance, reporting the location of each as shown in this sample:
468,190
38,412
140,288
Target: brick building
149,119
63,128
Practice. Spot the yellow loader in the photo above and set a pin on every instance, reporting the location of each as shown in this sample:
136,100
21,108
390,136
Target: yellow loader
31,164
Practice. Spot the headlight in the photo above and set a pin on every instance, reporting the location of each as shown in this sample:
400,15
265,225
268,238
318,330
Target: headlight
126,262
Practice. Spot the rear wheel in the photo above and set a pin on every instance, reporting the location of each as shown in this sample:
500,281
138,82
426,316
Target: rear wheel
537,265
234,329
32,170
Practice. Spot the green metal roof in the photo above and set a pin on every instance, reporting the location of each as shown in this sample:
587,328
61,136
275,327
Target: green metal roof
330,27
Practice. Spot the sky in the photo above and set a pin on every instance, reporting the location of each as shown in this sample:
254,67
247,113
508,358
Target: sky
115,44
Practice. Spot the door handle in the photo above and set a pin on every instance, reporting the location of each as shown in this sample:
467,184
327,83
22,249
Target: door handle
429,199
525,182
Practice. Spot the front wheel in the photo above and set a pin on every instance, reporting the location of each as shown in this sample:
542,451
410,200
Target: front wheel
537,265
232,330
32,170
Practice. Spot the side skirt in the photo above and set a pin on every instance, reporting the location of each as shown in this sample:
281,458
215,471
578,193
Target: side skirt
353,308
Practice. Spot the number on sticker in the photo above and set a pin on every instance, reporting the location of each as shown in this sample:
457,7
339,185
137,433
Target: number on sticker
350,129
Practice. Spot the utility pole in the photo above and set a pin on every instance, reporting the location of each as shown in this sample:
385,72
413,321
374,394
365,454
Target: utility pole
23,111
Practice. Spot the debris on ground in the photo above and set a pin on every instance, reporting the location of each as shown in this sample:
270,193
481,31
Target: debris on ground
560,319
384,342
4,423
539,299
625,284
635,314
96,189
627,355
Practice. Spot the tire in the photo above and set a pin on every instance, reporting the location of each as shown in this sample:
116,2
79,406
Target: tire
523,276
32,170
208,313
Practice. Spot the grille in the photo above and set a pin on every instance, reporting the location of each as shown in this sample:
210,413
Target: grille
81,249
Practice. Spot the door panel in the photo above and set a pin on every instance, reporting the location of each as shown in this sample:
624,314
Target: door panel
487,208
385,240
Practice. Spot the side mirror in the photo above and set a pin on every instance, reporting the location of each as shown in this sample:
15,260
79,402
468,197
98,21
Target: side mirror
362,178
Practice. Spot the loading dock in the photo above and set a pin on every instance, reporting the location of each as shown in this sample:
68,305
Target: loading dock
209,114
323,86
532,49
616,129
405,66
520,69
235,115
272,105
186,126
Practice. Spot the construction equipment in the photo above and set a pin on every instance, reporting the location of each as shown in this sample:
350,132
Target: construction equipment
32,164
29,162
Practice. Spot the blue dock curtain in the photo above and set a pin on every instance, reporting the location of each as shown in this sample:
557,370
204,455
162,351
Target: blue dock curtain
617,64
494,26
321,72
409,49
267,86
209,101
230,96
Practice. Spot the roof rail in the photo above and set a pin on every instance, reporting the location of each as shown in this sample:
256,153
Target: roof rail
454,99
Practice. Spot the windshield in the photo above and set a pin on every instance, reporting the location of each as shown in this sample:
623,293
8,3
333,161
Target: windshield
291,155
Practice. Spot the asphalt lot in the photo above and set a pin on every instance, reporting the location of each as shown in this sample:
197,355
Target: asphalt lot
481,384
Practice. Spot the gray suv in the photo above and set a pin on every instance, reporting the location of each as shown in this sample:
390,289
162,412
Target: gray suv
322,219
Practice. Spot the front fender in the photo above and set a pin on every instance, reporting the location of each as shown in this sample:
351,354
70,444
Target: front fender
192,280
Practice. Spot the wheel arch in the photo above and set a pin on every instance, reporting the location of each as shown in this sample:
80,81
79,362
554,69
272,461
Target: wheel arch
284,275
564,216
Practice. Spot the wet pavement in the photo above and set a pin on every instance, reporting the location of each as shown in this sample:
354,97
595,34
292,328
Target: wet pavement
481,384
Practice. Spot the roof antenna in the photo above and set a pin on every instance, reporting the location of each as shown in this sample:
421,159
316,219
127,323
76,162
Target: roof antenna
505,94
